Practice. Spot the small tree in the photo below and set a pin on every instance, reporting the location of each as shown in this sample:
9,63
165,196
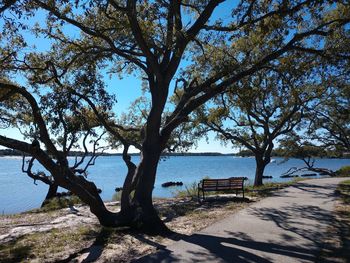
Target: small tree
294,146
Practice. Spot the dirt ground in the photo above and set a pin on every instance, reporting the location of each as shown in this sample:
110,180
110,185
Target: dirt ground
76,236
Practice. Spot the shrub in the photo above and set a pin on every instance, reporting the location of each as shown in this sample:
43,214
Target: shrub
343,171
190,191
117,196
60,202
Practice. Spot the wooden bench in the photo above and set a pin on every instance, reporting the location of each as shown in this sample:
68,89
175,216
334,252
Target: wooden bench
233,184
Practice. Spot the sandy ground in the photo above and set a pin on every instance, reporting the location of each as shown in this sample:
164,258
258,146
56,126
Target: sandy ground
65,236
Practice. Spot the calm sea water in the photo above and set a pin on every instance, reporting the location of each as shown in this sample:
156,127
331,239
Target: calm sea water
18,192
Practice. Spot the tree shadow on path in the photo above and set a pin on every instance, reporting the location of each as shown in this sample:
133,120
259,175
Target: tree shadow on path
303,228
227,249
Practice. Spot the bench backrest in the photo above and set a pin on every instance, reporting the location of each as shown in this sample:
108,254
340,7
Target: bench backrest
223,184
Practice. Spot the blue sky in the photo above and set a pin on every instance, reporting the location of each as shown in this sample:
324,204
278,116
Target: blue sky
128,88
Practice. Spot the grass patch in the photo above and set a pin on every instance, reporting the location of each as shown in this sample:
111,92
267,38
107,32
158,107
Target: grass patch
274,185
337,245
12,216
344,191
13,252
59,203
46,245
268,188
190,191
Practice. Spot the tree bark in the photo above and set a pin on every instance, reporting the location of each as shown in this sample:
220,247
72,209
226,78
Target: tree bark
86,191
128,186
51,193
146,217
259,170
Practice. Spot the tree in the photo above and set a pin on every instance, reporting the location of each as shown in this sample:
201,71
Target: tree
262,108
68,125
294,146
181,139
6,4
151,38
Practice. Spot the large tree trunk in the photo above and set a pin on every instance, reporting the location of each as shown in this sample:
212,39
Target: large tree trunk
51,193
140,212
146,217
259,170
262,159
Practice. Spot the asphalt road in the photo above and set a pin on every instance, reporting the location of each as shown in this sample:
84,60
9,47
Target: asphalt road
287,227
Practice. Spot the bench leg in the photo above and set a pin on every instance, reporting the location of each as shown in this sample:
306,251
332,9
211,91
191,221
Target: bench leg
198,195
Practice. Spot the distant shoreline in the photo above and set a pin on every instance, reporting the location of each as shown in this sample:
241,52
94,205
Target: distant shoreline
181,155
137,154
9,152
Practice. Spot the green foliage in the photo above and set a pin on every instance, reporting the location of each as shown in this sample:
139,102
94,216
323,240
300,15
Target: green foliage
190,190
294,146
330,119
269,188
343,171
261,108
245,153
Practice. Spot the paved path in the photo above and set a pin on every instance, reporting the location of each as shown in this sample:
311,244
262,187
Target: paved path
287,227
